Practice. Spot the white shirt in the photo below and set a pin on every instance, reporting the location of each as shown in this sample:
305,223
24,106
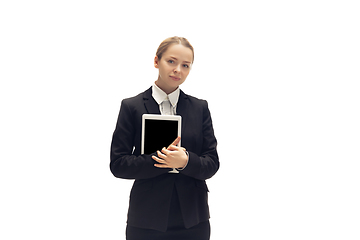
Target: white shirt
167,103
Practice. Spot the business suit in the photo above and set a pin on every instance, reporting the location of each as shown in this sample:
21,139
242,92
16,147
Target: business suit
151,194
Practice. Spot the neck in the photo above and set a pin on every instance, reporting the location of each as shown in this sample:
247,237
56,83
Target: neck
165,88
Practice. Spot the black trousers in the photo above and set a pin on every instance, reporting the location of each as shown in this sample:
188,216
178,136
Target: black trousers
176,229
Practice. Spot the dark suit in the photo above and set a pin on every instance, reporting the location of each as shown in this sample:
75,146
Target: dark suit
151,193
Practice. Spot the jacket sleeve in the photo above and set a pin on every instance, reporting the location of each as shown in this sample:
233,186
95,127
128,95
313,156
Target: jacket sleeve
205,165
123,163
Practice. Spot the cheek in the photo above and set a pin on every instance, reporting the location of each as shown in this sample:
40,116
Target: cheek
186,73
163,72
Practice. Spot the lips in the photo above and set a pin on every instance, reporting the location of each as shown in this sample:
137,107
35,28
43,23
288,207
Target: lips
175,78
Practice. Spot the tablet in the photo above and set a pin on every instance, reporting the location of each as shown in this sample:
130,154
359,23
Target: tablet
159,131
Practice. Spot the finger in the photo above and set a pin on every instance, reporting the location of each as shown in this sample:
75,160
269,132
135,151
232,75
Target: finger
165,151
174,148
175,142
158,159
161,155
161,166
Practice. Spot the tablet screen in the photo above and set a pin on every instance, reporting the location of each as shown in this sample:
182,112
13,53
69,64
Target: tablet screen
159,131
159,134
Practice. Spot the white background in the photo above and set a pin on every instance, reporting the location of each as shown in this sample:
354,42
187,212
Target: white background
288,70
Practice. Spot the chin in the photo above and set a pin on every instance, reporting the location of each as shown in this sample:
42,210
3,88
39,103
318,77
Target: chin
174,84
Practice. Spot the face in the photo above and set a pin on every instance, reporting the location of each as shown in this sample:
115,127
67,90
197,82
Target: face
174,67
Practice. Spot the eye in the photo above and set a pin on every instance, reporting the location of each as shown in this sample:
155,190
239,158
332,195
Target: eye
186,66
171,61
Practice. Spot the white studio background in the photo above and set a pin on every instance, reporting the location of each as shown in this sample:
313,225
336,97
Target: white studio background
281,79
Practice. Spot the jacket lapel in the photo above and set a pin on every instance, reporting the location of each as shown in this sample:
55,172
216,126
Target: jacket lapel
151,105
181,109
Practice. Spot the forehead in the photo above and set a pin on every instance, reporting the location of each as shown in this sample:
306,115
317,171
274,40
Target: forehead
180,52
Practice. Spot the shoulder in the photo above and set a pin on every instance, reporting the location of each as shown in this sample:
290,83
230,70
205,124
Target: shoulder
195,101
133,99
192,98
138,98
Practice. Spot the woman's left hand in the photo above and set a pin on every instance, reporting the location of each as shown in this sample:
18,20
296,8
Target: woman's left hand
172,157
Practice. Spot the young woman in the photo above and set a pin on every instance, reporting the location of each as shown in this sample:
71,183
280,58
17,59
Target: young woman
166,205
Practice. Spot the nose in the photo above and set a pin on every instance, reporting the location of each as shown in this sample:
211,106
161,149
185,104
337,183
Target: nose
177,69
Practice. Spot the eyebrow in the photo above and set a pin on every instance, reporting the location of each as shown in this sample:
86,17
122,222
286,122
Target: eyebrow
177,59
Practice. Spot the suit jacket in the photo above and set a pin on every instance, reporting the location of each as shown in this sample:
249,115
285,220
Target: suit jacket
151,193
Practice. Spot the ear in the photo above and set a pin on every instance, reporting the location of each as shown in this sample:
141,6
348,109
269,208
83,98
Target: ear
156,62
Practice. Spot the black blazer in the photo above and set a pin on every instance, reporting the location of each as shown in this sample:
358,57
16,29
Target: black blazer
152,190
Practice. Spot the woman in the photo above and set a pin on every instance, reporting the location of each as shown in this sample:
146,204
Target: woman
166,205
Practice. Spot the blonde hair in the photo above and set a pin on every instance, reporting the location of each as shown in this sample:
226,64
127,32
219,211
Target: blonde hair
173,40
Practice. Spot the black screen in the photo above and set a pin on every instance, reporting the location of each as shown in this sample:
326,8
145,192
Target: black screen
159,134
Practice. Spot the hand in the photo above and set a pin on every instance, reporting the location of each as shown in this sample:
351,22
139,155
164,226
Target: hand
172,157
175,142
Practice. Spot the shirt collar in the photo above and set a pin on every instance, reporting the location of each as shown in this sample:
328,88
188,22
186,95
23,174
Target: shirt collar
160,96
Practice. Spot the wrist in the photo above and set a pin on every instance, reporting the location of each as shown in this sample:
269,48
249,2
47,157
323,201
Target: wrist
186,163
